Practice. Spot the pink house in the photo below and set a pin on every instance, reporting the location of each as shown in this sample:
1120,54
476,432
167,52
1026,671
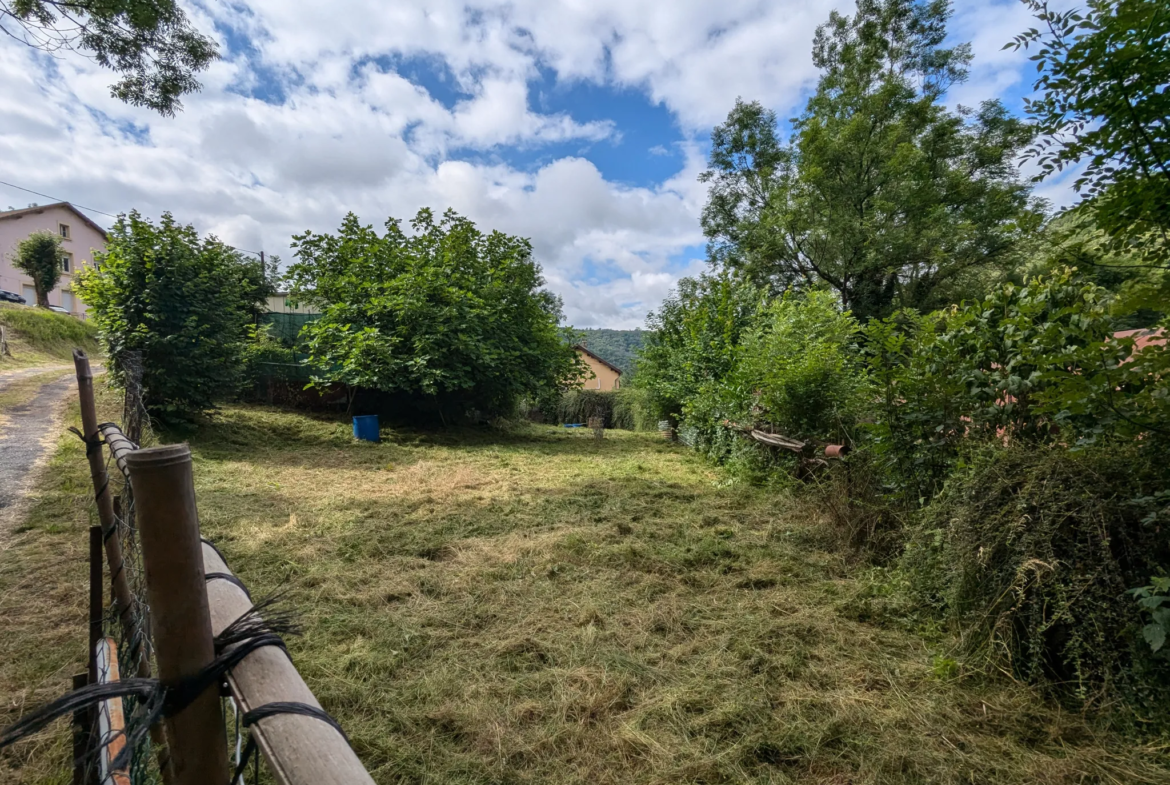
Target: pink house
80,237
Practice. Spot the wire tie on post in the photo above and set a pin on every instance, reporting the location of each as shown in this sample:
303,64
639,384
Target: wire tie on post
227,576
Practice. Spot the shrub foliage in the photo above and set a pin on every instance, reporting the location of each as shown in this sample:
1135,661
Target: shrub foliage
1032,551
447,312
183,302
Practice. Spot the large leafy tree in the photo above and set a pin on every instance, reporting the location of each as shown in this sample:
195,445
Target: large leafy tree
150,44
40,257
1103,104
883,194
181,302
445,311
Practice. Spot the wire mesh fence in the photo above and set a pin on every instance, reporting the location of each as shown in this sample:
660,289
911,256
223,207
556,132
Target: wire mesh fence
134,650
286,327
128,710
128,628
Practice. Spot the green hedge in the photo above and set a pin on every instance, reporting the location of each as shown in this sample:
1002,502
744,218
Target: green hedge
628,409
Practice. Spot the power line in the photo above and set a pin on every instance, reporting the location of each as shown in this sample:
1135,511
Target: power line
56,199
101,212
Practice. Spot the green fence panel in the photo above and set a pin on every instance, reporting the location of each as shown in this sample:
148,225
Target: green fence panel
286,327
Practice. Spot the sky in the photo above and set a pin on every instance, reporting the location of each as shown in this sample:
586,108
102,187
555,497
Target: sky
581,124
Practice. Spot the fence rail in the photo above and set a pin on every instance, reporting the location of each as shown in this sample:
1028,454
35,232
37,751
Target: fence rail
298,747
176,603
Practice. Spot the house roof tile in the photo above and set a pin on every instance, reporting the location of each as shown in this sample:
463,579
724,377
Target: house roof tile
40,208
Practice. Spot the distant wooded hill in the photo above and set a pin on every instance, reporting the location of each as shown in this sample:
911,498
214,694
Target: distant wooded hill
614,346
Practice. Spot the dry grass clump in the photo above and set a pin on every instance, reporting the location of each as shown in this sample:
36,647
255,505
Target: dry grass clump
533,607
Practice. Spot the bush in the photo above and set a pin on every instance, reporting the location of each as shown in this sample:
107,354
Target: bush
801,368
693,340
633,409
1003,367
183,302
1032,551
577,406
447,313
794,369
627,408
265,357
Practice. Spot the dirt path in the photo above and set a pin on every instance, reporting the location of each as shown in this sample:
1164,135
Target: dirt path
8,377
27,434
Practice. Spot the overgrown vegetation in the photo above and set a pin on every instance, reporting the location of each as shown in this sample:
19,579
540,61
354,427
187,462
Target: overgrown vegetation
628,408
1010,437
1032,550
532,606
1032,371
693,342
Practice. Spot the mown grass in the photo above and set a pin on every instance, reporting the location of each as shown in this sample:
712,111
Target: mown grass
487,607
39,337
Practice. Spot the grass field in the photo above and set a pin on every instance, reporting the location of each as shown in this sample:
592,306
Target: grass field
532,607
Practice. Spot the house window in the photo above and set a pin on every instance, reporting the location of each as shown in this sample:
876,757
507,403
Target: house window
63,230
66,262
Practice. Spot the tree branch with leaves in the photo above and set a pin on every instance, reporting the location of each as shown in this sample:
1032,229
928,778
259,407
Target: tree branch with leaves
149,43
1103,104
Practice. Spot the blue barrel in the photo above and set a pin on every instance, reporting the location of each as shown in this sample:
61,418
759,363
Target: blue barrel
366,428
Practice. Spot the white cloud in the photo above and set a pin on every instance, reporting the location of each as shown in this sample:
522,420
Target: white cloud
694,56
351,133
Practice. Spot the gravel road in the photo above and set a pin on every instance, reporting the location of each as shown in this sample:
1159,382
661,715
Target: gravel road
27,435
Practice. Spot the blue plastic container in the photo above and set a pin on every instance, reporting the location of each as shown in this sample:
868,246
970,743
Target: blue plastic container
366,428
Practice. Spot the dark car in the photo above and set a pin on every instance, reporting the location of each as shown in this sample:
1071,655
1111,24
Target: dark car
11,297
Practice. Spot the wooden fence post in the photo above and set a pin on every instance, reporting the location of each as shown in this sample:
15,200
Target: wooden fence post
168,529
124,599
111,722
95,598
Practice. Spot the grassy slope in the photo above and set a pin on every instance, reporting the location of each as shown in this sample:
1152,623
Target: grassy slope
538,608
41,337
